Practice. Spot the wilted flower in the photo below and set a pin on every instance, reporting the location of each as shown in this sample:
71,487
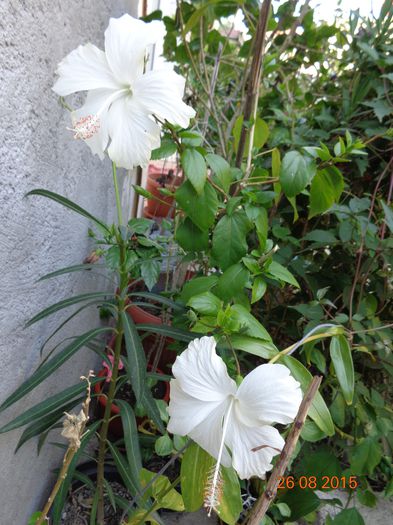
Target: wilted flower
73,426
122,98
207,405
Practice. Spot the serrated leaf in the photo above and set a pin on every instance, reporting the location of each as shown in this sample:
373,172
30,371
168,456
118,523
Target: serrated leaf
229,239
192,204
232,282
190,237
258,289
295,173
326,188
278,271
222,170
205,303
166,149
194,167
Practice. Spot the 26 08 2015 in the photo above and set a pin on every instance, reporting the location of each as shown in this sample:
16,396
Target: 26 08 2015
322,483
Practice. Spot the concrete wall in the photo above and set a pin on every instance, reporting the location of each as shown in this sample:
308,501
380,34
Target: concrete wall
37,236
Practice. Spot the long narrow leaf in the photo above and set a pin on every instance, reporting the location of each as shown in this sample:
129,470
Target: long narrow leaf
74,268
340,353
71,205
169,331
123,469
65,303
47,406
131,442
151,408
53,364
63,492
136,356
46,422
158,298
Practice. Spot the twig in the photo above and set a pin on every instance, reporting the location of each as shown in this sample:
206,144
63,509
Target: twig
79,423
260,508
254,80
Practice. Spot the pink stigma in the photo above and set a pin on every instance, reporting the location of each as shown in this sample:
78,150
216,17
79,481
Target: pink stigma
86,127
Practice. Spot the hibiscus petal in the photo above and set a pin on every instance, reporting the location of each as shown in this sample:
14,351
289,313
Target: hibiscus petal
187,412
201,373
86,67
252,447
161,93
97,101
208,434
268,394
133,134
126,40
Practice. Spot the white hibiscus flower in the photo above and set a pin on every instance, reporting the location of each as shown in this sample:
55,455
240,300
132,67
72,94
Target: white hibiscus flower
122,98
207,405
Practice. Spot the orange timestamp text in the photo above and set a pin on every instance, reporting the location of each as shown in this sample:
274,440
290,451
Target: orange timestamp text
321,483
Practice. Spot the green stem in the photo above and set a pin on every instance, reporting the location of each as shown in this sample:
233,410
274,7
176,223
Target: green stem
117,194
123,282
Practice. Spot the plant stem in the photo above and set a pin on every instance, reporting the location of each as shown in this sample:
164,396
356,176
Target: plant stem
117,194
123,282
260,508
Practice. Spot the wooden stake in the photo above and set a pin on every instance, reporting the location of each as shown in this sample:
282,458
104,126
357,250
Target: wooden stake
261,506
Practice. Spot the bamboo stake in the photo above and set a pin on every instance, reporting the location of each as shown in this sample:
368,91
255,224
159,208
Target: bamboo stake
260,508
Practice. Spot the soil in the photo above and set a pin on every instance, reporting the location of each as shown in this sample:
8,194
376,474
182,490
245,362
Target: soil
77,509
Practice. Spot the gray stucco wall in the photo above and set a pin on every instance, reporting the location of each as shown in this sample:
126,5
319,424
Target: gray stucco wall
37,236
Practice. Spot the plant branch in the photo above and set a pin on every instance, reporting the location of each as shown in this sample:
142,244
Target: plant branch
260,508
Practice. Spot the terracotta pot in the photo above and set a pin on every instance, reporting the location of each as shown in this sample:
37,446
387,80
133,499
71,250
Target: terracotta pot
161,175
115,425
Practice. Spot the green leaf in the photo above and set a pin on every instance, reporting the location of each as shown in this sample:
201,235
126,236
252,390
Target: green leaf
47,421
311,432
136,356
131,441
150,272
70,269
388,215
190,237
160,489
230,502
295,173
318,412
47,406
222,170
194,167
123,469
34,518
301,502
196,286
365,456
169,331
261,134
232,282
65,303
322,236
258,289
229,239
50,366
278,271
150,405
166,149
248,322
370,51
163,445
71,205
253,346
192,204
195,466
348,516
326,189
340,353
381,108
205,303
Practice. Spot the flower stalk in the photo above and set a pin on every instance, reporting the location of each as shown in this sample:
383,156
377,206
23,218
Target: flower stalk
123,282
